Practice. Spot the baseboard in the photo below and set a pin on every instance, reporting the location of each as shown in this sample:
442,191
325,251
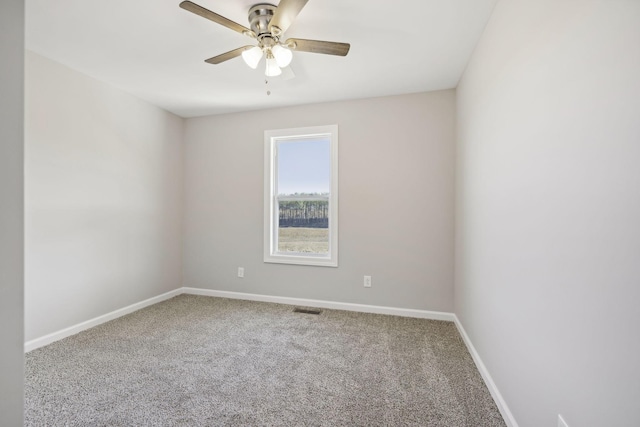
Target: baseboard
495,393
404,312
72,330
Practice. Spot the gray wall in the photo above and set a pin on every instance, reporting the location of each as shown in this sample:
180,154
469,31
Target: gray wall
548,209
11,211
103,198
396,158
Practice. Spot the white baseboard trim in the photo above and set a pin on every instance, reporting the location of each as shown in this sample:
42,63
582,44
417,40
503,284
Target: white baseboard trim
72,330
495,393
362,308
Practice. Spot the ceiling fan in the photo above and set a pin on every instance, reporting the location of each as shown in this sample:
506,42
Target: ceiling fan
268,23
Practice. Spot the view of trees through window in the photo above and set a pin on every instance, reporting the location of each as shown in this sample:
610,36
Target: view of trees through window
304,226
304,177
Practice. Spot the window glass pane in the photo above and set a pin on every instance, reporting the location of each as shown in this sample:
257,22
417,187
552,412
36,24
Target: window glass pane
304,166
304,226
304,169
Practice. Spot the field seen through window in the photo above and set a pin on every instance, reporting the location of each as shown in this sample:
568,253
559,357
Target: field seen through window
303,240
304,226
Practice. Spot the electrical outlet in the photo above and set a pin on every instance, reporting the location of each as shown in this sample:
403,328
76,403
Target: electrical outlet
240,271
562,422
367,281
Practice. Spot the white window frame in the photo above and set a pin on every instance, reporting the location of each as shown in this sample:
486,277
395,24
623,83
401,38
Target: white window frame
271,214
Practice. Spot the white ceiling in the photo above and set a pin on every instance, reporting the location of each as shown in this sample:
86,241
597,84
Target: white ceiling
155,50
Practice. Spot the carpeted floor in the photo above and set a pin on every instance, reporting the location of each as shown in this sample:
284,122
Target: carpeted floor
202,361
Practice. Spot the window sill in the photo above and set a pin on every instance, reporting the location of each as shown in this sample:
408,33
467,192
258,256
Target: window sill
317,261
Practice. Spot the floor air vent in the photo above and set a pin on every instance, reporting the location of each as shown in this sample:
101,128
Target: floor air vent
306,310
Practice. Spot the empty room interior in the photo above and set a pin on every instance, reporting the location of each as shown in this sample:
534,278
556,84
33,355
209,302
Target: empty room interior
320,212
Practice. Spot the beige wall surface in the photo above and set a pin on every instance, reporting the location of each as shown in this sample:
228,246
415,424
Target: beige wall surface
11,211
396,157
103,198
548,209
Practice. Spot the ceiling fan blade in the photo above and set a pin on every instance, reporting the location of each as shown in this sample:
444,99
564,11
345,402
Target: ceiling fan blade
285,14
318,46
228,55
218,19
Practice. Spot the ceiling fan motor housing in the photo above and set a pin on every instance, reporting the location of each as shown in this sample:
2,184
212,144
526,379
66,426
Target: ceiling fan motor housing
259,17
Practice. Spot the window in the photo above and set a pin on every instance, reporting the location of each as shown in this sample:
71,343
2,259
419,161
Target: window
301,196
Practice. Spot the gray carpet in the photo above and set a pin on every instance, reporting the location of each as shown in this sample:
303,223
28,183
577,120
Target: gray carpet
201,361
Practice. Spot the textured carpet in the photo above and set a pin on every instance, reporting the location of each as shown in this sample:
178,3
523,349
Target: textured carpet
202,361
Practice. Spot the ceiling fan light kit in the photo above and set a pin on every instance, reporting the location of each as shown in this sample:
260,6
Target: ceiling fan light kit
283,55
268,23
252,56
272,69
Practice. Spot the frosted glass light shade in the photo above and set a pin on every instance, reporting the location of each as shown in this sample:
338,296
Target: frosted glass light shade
272,67
252,56
283,55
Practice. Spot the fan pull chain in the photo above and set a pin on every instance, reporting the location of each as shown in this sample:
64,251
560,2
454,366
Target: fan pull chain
268,91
